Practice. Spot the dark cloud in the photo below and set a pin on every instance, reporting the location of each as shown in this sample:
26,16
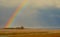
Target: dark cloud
49,17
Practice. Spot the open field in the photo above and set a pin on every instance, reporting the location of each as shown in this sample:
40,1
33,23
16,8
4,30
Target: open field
29,33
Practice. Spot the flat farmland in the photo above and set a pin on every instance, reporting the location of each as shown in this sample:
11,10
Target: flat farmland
29,33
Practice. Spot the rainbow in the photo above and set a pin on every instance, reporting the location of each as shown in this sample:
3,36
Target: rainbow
16,12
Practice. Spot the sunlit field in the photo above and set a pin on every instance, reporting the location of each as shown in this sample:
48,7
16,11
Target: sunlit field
29,33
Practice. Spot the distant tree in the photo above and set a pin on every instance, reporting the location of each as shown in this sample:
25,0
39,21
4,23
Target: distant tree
22,27
17,27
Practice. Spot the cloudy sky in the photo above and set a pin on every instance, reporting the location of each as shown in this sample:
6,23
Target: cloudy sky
38,13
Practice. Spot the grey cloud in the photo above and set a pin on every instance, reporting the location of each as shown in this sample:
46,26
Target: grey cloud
5,14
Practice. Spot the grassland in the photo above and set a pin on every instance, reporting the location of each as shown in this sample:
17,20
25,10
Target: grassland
29,33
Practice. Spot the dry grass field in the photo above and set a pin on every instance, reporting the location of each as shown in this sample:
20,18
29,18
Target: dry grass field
29,33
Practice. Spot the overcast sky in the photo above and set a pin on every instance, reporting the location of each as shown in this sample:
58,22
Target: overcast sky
38,13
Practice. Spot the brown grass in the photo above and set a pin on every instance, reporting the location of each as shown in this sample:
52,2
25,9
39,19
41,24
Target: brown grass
29,33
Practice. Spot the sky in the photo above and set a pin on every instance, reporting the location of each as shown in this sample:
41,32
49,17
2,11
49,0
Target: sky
39,13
